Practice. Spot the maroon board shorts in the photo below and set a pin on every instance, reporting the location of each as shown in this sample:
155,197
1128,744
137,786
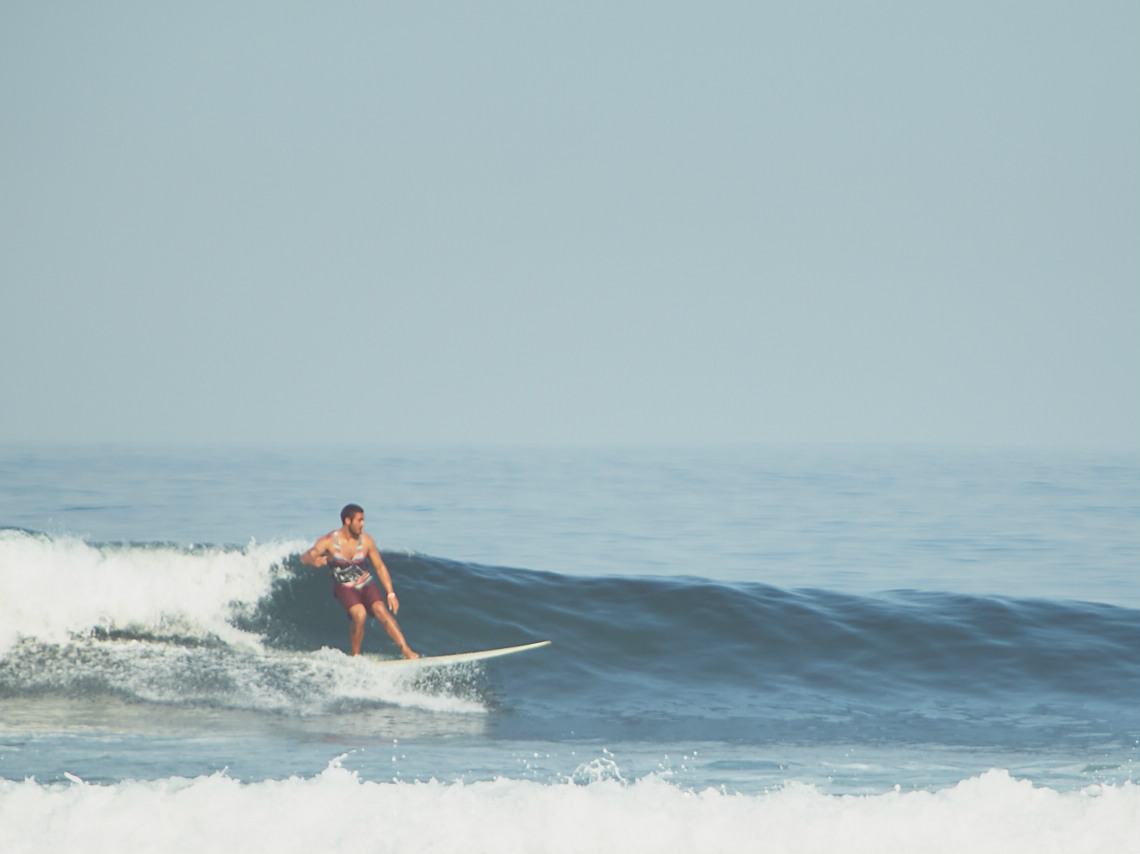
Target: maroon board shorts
347,595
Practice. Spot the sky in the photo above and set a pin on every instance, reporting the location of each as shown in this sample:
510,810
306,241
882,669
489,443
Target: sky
571,223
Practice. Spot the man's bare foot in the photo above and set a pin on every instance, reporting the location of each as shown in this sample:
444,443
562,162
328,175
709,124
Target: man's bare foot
407,653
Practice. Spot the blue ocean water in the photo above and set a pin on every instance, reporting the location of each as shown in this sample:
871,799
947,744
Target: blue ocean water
883,643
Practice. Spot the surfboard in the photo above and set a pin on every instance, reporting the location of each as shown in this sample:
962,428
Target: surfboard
460,657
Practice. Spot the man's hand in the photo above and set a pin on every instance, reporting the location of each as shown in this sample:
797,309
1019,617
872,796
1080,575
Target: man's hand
314,556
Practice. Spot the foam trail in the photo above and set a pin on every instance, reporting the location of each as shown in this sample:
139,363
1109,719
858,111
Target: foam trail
990,813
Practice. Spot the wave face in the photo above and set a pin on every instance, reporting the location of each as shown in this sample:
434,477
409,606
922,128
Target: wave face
252,630
748,661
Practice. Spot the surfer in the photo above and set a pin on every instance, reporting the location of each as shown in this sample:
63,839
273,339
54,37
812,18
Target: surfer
347,553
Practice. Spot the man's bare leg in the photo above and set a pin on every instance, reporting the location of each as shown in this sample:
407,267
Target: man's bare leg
357,614
393,629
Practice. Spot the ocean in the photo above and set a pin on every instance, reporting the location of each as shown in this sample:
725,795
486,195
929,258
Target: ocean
753,649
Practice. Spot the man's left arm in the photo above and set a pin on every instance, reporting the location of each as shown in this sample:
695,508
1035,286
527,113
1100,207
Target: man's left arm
382,573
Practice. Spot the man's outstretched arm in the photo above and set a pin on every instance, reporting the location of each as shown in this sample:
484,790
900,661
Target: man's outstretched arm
316,556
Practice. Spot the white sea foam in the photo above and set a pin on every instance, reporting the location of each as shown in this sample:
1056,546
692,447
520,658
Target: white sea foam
363,679
337,811
52,587
55,590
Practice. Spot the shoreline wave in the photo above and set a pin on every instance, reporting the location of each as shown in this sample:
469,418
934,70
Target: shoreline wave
990,812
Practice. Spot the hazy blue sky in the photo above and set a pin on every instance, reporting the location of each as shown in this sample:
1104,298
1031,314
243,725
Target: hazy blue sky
572,222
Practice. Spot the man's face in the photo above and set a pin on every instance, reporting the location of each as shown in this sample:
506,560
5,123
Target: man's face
356,524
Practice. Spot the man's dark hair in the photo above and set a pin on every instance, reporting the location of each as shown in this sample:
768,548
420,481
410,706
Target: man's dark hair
349,511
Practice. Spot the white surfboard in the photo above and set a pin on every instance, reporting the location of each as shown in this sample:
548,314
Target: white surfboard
459,657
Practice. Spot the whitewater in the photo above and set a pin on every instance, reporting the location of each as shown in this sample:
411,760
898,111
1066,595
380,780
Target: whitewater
991,813
772,649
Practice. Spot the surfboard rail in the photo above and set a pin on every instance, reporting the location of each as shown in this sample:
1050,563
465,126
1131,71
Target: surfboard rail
460,657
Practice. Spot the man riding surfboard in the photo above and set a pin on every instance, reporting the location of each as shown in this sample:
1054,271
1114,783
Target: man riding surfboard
347,553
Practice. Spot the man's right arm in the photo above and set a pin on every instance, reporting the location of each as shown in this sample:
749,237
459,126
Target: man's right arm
316,555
